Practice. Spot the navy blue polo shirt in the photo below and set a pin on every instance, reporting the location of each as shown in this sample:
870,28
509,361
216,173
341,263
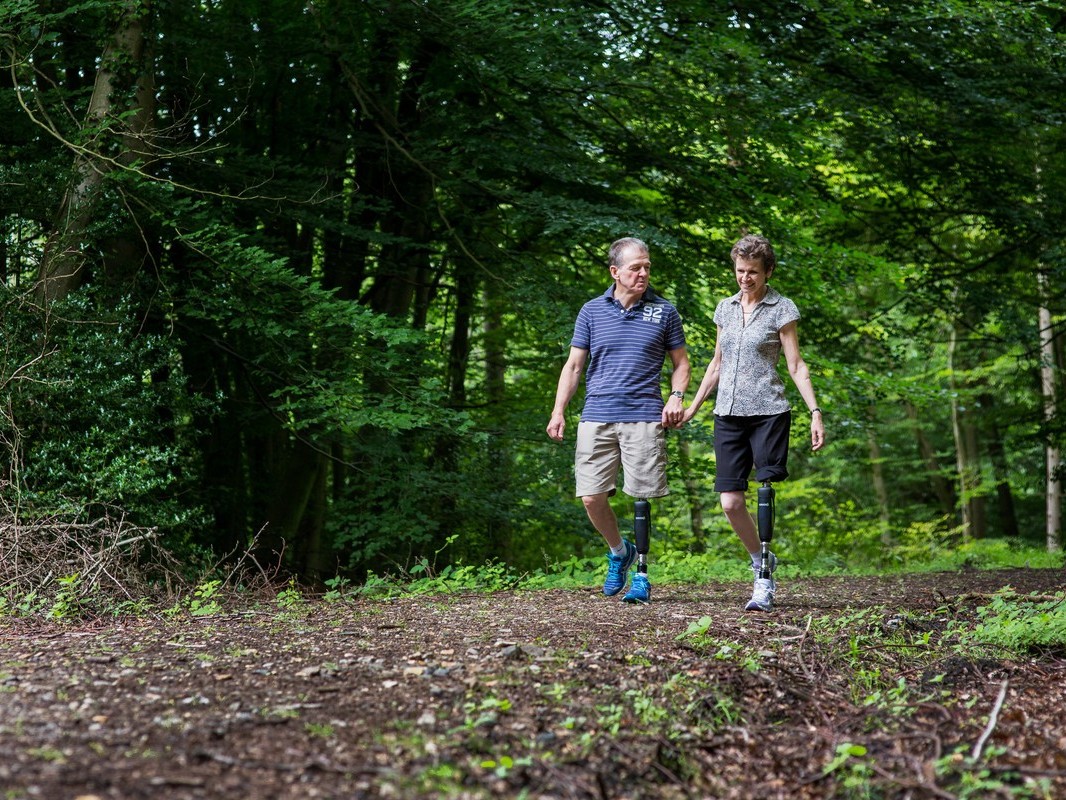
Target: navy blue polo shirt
623,379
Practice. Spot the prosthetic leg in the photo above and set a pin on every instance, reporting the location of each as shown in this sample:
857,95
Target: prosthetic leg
639,590
762,596
766,528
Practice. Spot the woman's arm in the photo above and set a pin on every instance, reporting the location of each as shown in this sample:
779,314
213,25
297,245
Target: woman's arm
708,384
801,376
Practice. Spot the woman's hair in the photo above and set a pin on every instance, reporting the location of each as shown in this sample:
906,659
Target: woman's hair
615,253
755,248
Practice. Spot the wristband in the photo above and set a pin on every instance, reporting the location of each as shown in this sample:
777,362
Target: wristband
815,410
680,395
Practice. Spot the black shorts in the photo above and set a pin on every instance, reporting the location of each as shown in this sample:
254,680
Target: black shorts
743,442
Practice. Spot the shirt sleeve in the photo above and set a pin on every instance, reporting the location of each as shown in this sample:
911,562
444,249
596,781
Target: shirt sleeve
675,332
787,312
582,338
719,312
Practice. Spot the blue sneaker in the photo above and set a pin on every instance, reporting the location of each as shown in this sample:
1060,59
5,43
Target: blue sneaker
618,570
639,591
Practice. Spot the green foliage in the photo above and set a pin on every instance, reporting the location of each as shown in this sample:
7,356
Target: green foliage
67,602
1020,624
290,599
320,730
327,293
852,770
97,416
973,778
204,601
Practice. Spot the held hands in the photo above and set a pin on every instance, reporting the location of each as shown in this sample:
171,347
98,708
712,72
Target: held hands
686,416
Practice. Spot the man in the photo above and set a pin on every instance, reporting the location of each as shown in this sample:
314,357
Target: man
623,336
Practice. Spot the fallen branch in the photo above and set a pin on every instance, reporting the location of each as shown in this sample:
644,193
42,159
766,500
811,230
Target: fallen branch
992,719
799,654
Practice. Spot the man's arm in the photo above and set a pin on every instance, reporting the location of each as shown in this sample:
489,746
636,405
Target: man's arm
569,379
674,409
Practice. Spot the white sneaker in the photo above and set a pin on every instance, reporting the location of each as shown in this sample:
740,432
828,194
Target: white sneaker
762,596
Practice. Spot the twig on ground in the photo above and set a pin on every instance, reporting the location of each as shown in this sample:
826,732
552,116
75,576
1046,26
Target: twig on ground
799,655
992,719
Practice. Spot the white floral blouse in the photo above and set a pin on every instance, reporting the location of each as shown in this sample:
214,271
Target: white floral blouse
749,384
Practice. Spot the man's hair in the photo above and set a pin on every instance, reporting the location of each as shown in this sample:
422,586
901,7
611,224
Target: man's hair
755,248
615,253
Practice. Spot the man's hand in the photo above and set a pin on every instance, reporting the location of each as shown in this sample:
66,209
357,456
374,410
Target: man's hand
673,412
556,427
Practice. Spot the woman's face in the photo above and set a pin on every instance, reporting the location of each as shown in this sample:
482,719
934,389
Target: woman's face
751,278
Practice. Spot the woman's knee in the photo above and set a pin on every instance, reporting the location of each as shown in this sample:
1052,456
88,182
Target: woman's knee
733,501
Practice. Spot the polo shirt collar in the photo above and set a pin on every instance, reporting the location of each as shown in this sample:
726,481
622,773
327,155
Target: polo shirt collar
649,296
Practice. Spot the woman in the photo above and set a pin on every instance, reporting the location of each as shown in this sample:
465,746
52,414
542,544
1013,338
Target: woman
752,417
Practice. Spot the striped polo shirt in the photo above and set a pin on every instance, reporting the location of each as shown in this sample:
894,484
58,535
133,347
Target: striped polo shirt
623,379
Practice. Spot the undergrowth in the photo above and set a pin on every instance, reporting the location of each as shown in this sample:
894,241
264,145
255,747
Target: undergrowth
69,597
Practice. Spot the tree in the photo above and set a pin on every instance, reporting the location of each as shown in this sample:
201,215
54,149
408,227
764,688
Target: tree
356,236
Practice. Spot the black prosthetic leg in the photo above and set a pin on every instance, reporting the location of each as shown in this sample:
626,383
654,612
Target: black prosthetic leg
640,591
766,527
642,533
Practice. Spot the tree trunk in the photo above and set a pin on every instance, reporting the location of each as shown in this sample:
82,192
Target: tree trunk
296,475
693,493
945,492
967,457
1053,456
997,455
317,561
499,450
62,263
880,487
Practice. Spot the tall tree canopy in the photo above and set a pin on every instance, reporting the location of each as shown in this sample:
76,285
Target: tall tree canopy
303,273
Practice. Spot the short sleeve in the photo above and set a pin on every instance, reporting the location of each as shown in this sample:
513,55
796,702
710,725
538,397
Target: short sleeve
582,338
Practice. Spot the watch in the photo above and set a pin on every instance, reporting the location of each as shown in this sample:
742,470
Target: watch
678,394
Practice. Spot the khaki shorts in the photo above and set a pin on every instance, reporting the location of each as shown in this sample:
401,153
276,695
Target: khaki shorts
640,449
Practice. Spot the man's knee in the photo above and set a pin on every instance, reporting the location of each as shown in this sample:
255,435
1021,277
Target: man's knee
594,501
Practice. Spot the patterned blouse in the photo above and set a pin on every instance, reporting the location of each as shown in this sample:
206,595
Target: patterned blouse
749,384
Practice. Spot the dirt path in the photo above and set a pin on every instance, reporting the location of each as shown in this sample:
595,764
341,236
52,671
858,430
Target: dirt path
555,694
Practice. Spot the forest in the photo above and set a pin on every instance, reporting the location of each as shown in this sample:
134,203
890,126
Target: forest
298,278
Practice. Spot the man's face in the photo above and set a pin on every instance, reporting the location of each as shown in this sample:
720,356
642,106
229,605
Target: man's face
633,271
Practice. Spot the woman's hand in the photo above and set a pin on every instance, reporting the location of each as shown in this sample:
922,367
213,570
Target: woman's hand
817,431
